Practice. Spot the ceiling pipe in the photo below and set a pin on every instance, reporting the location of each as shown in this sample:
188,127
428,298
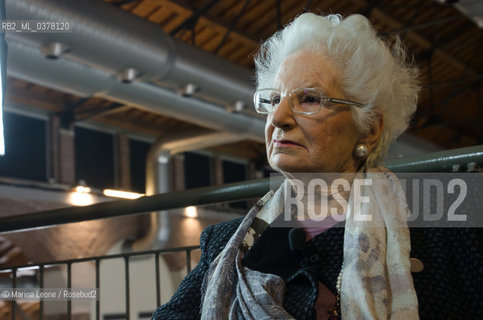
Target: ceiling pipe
115,55
158,177
27,63
107,38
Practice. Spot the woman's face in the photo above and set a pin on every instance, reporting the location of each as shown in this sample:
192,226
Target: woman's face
320,142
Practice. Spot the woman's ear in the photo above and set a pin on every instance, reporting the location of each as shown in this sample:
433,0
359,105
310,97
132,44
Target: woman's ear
375,132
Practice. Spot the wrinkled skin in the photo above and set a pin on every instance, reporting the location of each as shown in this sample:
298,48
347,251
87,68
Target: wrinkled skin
321,142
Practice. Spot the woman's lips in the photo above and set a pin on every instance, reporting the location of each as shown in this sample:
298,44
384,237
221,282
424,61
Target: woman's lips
285,143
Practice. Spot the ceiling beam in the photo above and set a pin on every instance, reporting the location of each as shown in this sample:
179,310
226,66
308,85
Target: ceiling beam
240,150
190,22
130,126
209,21
394,23
28,97
102,112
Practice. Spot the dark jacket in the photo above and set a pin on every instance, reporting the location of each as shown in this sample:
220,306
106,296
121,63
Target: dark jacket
449,287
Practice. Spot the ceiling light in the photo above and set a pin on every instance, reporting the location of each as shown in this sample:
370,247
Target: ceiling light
80,199
53,50
122,194
191,212
128,75
82,189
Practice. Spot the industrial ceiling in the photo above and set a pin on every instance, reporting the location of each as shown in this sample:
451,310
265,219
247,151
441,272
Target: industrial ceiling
445,41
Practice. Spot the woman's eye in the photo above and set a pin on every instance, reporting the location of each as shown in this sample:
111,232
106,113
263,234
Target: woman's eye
311,99
275,100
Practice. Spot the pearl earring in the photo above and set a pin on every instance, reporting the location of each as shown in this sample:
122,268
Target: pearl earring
360,151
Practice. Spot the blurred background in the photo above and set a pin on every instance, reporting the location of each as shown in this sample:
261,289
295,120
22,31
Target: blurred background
131,98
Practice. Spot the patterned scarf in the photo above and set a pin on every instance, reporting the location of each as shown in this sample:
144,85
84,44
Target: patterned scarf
231,291
376,278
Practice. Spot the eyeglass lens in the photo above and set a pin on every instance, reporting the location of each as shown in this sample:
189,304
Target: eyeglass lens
301,100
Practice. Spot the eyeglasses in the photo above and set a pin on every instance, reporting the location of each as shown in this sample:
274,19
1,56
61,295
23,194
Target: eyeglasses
301,100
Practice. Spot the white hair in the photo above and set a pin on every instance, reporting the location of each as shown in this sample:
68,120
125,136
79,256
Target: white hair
371,71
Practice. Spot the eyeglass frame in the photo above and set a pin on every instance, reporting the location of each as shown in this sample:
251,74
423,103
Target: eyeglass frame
290,102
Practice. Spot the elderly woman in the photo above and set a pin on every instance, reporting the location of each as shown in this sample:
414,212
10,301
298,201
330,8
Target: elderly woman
335,96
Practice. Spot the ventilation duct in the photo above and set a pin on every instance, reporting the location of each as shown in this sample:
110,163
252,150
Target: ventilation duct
105,41
471,8
110,39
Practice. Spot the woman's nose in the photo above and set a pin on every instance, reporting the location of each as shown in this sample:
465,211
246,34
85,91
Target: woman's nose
282,116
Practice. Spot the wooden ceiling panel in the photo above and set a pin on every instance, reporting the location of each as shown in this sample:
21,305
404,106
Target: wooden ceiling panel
212,43
159,15
243,149
230,45
248,60
464,41
346,8
34,98
204,35
130,5
240,54
289,10
397,8
186,36
252,11
230,10
175,21
220,8
416,17
261,16
145,9
122,124
16,83
448,32
211,22
457,46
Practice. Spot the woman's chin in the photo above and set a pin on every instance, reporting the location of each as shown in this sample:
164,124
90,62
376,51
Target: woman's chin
288,166
294,167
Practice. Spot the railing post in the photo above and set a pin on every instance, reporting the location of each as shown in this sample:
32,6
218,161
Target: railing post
14,286
126,277
158,289
98,287
69,286
41,285
188,260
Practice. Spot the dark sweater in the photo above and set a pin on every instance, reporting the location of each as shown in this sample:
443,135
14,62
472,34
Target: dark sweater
449,287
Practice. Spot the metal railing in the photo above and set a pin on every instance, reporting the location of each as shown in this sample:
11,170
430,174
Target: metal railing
462,159
465,159
97,260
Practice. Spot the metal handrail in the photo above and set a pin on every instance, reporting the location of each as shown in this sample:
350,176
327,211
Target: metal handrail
443,161
460,159
42,267
163,201
107,257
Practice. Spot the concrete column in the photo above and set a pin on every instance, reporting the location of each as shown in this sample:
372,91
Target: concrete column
122,162
217,176
53,157
217,171
177,170
67,156
61,152
251,170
